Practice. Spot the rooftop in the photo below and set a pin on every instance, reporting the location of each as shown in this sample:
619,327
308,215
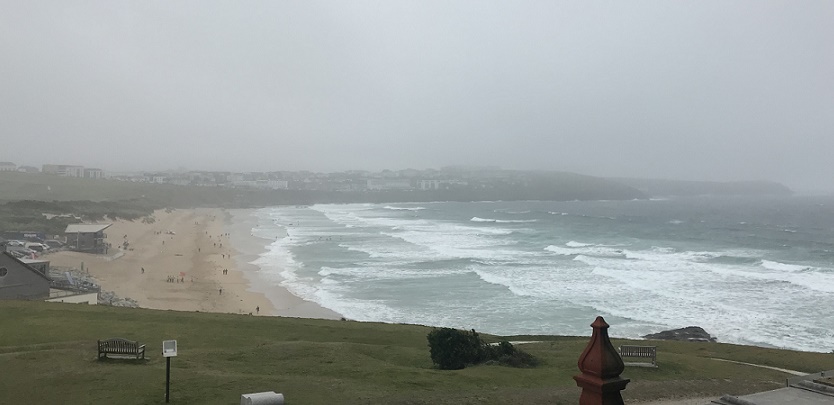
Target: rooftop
86,228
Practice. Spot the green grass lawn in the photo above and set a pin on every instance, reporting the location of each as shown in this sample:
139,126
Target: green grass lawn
48,355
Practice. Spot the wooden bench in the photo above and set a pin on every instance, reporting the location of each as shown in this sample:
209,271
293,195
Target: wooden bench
643,352
121,348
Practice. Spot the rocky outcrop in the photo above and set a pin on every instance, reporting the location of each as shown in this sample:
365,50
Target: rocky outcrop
110,298
687,334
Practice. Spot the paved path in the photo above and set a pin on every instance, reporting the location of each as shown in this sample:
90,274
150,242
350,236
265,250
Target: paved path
784,370
687,401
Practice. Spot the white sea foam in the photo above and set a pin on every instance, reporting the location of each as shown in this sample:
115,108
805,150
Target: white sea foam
384,272
593,250
575,244
504,221
502,281
776,266
388,207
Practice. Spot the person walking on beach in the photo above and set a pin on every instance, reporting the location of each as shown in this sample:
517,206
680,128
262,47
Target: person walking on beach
258,310
221,291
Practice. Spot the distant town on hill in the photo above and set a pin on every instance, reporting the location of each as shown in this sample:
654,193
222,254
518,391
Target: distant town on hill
451,183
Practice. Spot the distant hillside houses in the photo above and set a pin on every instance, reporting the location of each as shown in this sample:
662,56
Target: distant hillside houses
7,167
74,171
262,184
429,184
389,184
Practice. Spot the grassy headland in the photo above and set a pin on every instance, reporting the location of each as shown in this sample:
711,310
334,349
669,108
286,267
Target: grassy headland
49,355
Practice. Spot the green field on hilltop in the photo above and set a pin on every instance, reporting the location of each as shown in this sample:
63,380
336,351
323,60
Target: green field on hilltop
25,197
48,355
45,187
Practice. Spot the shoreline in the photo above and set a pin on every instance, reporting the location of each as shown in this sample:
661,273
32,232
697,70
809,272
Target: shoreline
177,261
239,224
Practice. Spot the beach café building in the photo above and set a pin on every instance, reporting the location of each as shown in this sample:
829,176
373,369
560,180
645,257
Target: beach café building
87,237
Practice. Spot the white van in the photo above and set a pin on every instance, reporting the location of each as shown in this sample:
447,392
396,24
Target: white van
38,247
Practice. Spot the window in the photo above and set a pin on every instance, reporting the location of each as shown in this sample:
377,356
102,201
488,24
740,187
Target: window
3,271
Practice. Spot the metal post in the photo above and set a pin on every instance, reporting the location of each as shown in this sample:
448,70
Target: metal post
167,378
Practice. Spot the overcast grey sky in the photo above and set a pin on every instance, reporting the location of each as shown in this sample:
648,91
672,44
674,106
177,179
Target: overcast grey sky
712,90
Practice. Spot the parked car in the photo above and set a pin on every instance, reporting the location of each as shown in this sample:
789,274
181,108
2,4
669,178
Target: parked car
53,244
37,247
26,252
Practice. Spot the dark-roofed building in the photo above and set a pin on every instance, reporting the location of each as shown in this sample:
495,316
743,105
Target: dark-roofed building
18,281
87,237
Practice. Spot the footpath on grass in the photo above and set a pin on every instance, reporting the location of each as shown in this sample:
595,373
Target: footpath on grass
784,370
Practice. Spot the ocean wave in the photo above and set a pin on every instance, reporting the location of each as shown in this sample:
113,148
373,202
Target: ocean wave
451,245
503,221
512,212
388,273
388,207
502,281
592,250
776,266
810,280
575,244
671,256
380,251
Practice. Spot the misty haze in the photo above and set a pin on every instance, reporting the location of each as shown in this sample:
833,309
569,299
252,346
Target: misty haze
340,201
706,91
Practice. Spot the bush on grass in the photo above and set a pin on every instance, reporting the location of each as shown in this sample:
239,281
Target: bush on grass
453,349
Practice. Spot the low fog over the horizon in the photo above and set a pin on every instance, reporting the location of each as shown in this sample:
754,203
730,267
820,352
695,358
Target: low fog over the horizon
699,90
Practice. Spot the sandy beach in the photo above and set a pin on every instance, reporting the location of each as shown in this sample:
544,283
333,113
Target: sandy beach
190,260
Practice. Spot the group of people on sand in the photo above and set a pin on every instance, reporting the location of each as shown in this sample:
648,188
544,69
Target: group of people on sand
172,279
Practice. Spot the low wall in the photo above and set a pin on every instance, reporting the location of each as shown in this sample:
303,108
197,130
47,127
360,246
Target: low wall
86,298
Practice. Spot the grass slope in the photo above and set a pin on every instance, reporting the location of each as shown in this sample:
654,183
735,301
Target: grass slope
48,355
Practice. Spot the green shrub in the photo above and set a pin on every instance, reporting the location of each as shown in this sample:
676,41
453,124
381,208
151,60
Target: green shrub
453,349
505,353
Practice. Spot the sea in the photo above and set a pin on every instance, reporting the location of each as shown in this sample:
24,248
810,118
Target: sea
753,271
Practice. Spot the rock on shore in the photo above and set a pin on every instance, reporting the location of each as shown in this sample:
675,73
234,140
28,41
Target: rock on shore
687,334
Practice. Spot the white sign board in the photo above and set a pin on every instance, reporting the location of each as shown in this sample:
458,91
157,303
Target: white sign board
169,348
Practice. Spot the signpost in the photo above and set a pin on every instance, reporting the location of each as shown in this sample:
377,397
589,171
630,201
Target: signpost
169,349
